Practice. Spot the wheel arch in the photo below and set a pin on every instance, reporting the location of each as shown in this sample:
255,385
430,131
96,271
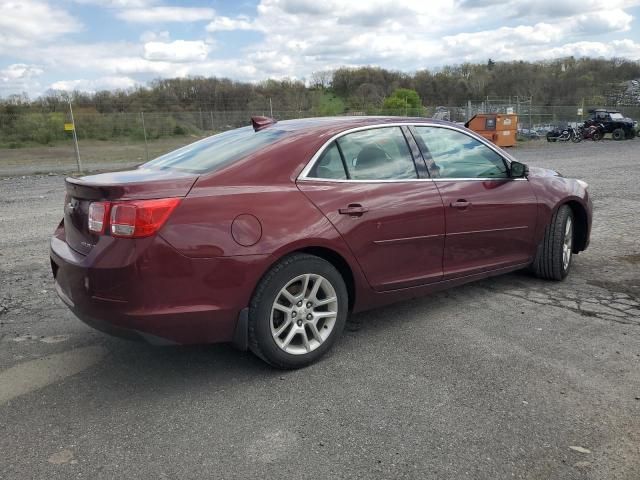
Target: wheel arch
331,255
581,224
340,264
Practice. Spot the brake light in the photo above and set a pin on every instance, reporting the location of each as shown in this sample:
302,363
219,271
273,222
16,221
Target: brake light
98,214
140,218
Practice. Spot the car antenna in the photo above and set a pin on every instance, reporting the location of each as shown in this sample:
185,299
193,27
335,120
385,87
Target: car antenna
259,123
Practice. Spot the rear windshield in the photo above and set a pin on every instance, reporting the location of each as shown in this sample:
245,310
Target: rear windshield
216,151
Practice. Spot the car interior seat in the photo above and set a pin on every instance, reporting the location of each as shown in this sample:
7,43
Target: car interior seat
370,162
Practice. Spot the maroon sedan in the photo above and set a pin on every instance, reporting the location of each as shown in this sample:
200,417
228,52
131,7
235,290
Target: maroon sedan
268,237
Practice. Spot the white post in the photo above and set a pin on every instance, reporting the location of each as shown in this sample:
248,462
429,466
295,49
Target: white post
270,107
75,137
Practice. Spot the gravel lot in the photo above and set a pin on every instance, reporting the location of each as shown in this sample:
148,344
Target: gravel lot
511,377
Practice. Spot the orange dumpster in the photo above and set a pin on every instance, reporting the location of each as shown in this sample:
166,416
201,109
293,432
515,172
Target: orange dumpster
500,128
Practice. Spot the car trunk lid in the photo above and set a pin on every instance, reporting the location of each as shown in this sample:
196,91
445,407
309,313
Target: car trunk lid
136,184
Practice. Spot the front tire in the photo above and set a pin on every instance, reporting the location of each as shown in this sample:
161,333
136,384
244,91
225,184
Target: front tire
555,252
297,311
618,134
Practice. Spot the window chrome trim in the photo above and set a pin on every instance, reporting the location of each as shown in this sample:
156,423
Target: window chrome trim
352,180
479,179
311,163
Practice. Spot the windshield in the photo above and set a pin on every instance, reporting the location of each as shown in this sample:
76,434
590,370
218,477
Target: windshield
616,116
216,151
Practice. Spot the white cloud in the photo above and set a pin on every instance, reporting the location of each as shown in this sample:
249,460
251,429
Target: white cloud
118,3
303,36
616,48
20,77
166,14
27,22
610,20
20,71
227,24
104,83
178,51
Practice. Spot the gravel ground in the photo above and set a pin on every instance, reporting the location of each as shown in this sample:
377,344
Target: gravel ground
511,377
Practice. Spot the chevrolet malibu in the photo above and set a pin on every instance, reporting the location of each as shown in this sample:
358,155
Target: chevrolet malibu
268,236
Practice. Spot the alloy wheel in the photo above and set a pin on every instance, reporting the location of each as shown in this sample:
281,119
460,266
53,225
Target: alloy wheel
304,314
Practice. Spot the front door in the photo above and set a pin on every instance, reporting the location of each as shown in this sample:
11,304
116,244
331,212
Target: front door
367,185
490,217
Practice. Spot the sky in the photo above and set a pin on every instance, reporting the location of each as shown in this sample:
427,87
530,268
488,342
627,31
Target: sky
92,45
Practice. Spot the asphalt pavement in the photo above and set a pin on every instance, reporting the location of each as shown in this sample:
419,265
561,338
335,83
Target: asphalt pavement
511,377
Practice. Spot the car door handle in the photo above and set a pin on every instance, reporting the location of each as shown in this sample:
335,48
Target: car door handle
354,209
460,204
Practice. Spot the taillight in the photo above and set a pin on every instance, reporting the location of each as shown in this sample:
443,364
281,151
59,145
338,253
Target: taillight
131,219
98,214
140,218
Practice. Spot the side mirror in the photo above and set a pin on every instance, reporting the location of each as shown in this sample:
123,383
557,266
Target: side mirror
519,170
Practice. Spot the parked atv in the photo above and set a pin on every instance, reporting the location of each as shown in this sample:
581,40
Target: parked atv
613,122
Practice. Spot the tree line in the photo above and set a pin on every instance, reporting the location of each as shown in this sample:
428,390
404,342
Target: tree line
565,81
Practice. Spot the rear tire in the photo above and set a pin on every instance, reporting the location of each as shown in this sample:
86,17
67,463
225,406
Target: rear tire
297,311
618,134
555,252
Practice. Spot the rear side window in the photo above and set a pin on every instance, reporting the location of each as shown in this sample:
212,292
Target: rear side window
377,154
458,155
217,151
329,165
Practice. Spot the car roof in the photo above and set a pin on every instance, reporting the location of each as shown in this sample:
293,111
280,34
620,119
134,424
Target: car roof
323,125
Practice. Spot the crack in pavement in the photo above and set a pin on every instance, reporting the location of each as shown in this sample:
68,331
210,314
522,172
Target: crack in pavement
616,307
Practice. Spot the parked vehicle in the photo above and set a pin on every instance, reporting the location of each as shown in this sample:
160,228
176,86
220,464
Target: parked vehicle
592,130
564,134
268,237
614,123
528,134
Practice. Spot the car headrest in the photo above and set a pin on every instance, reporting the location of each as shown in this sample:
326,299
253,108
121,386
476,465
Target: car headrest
370,157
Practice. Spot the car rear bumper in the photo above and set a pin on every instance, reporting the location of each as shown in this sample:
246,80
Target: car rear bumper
155,294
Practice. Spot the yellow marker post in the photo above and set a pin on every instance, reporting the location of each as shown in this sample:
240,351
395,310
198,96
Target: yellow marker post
68,127
75,135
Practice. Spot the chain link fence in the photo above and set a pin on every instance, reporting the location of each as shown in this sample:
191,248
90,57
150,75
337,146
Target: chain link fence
38,142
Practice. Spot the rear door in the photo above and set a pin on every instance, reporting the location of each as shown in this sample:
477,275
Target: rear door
490,217
367,185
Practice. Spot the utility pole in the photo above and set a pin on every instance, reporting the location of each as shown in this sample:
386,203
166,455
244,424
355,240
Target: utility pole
144,131
75,137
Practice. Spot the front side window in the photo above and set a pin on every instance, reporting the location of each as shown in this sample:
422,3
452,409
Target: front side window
377,154
457,155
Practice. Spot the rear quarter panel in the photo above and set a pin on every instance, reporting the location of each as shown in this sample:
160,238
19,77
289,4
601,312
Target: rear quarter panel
202,226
